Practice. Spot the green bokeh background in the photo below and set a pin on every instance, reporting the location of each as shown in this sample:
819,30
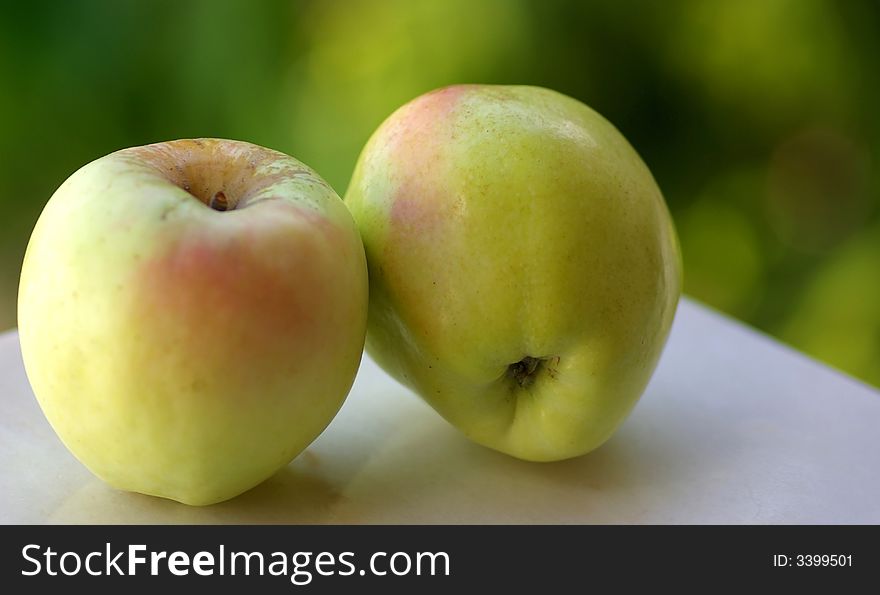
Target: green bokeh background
757,117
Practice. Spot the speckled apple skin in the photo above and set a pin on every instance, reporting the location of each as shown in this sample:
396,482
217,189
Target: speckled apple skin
504,222
184,352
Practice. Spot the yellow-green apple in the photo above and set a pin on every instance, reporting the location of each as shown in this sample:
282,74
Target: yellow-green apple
192,315
524,268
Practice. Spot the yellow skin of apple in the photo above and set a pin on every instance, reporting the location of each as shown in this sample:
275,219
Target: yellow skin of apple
184,352
524,268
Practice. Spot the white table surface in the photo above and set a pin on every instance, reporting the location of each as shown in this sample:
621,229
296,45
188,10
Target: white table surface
734,428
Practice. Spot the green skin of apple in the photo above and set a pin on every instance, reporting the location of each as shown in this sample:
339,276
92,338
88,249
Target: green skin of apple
181,351
524,268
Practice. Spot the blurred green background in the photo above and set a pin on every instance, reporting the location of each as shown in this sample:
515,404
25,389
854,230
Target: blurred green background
757,117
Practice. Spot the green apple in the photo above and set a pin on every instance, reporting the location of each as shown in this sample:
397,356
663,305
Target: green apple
192,315
524,268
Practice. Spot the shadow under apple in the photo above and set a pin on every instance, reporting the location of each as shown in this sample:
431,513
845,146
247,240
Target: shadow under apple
290,496
405,464
427,472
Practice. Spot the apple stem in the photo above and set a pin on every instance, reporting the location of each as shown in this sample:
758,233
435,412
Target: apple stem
218,201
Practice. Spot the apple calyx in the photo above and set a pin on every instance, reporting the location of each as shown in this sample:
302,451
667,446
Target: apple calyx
528,368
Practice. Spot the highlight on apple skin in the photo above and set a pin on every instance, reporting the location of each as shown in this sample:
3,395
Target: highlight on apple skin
192,315
524,268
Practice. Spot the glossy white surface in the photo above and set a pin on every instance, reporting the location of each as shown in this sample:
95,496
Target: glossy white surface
734,428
